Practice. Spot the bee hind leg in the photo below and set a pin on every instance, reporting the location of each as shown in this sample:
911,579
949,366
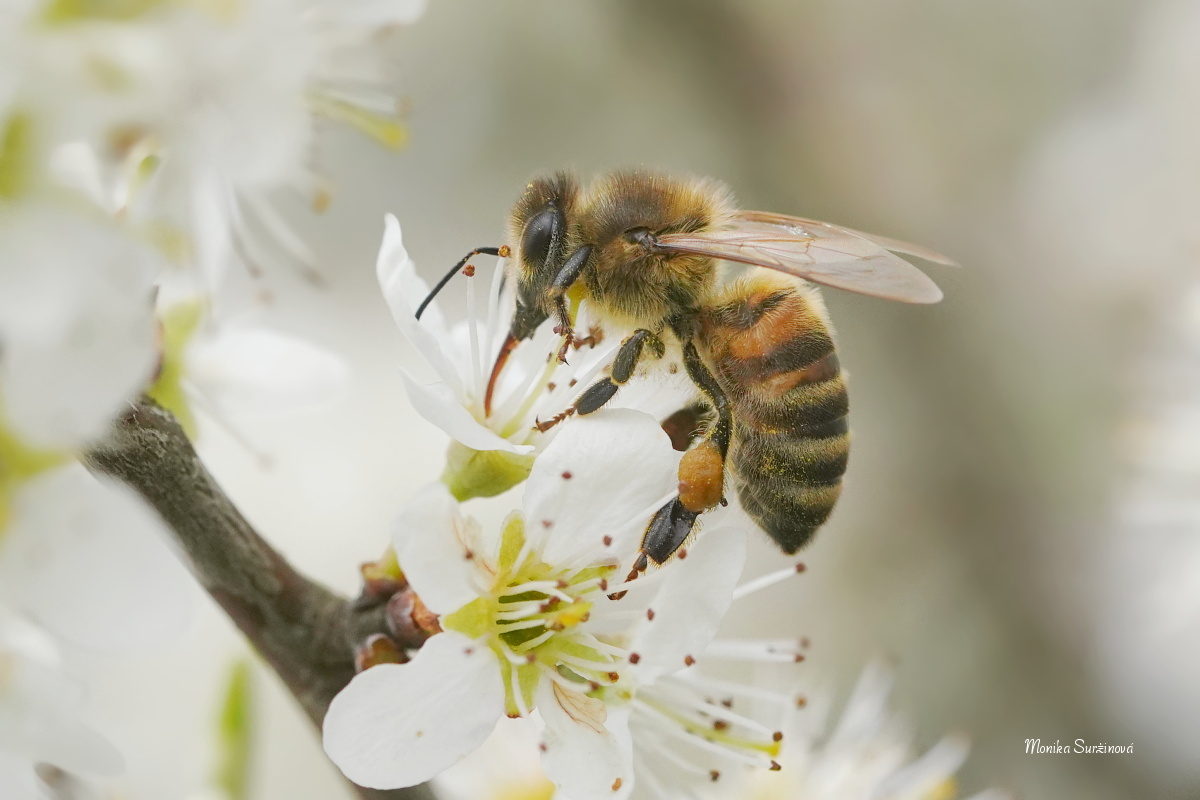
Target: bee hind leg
701,470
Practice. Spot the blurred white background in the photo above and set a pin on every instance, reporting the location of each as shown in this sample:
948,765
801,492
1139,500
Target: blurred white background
1015,538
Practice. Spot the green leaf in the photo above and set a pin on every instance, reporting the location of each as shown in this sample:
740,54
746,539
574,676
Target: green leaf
18,463
16,156
236,733
179,323
63,11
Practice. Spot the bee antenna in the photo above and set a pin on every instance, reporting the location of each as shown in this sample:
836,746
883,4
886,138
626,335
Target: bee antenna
501,251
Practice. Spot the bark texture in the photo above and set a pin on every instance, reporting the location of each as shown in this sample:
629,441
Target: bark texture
305,632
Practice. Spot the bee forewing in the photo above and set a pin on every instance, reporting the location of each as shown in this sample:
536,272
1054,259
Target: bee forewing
815,251
886,242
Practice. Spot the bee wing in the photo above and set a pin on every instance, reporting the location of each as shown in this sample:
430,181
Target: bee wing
886,242
815,251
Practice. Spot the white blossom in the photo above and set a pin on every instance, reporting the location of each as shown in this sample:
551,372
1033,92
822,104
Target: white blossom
231,369
447,369
87,560
537,618
39,722
866,755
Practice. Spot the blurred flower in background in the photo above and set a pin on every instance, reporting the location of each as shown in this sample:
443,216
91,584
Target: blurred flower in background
1018,527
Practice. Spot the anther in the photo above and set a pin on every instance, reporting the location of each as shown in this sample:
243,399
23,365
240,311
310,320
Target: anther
714,774
505,251
801,701
650,614
797,658
777,736
800,567
608,541
775,766
720,725
567,476
689,660
634,658
546,523
616,787
469,270
682,553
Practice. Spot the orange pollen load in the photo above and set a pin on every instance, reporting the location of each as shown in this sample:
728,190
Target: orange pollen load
701,477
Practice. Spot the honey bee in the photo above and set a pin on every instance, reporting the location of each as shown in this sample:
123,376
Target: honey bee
644,250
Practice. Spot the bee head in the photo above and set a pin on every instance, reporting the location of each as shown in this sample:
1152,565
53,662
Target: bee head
541,225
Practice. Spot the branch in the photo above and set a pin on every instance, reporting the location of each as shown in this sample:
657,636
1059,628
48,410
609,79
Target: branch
305,632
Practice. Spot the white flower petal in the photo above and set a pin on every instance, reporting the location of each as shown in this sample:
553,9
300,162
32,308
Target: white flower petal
404,290
38,720
437,404
690,602
256,370
88,560
589,750
600,476
438,550
77,324
398,725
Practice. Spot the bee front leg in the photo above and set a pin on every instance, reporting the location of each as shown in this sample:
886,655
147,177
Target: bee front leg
566,277
632,350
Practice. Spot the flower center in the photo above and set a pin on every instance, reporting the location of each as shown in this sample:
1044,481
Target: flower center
534,620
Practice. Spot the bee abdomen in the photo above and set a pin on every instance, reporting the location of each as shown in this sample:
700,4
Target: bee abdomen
788,484
790,442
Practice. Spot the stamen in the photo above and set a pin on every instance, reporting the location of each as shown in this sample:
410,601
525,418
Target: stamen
545,587
770,651
705,708
583,663
490,344
514,680
674,758
766,581
714,686
473,335
746,751
202,401
540,639
283,235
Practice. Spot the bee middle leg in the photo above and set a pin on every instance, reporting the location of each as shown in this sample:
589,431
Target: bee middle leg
632,350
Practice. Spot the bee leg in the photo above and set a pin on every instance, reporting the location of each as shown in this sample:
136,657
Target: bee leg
628,356
721,431
701,473
563,281
668,530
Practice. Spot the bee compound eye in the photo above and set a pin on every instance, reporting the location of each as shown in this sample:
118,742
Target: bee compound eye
542,231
